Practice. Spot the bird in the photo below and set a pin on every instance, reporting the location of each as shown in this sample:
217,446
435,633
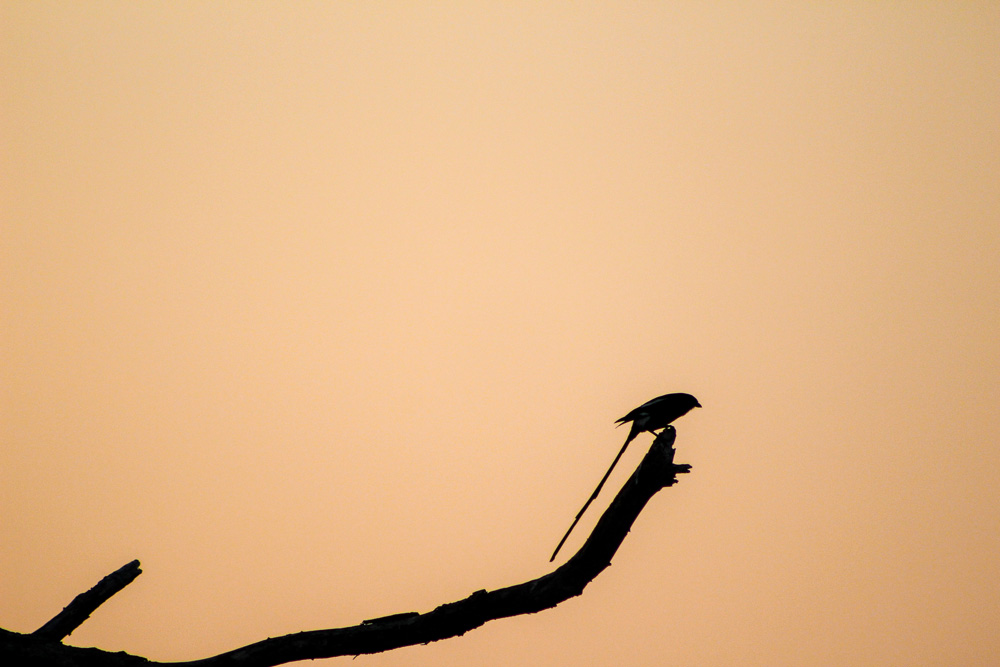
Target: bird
651,415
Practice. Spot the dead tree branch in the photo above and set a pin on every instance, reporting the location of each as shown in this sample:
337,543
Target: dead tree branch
656,471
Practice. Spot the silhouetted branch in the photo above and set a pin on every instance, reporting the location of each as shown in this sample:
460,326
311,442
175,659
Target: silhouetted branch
656,471
84,604
17,650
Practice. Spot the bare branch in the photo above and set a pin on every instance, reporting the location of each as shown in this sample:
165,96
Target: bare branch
656,471
84,604
17,650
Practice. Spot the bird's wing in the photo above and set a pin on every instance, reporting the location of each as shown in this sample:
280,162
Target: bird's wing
642,409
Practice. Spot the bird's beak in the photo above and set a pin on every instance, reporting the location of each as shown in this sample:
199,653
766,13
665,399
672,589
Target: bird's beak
697,404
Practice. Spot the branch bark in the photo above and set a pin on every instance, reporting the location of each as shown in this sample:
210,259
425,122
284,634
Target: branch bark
656,471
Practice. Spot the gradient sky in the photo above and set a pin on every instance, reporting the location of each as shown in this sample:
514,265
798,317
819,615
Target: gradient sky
325,311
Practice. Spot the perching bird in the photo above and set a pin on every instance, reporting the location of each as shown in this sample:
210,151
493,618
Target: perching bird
649,416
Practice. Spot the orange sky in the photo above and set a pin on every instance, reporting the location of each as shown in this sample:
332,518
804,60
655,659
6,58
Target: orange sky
325,312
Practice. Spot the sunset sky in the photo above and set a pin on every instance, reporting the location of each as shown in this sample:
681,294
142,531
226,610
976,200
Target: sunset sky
325,311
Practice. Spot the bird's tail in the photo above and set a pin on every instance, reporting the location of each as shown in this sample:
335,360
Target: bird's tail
593,496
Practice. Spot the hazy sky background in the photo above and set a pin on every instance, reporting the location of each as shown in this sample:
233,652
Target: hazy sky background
325,311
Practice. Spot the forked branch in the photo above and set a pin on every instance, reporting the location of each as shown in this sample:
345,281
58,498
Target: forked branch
656,471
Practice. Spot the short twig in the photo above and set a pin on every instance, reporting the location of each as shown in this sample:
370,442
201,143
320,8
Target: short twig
84,604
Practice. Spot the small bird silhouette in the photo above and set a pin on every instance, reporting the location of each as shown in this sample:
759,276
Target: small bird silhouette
651,415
